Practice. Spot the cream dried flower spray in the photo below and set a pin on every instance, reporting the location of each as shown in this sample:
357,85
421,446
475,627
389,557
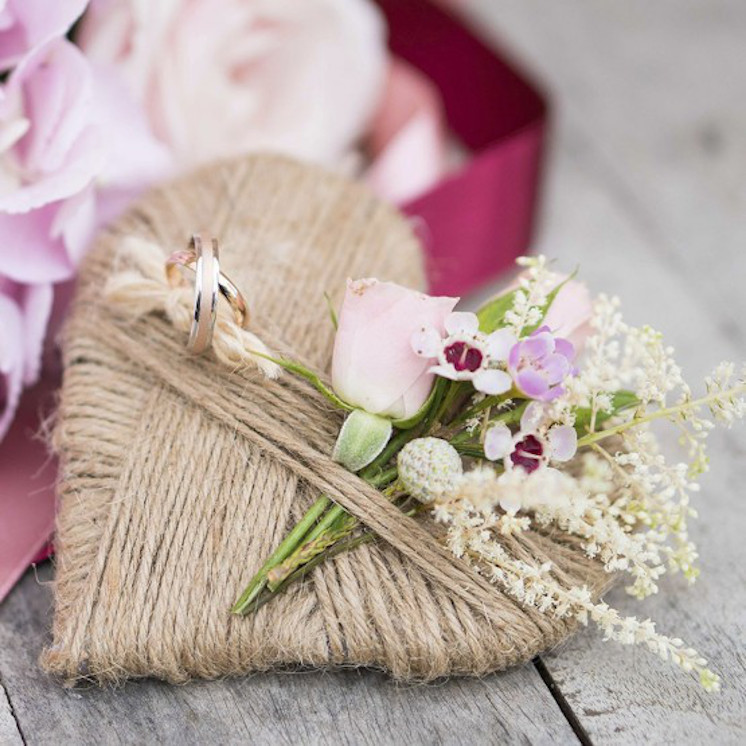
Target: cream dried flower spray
537,412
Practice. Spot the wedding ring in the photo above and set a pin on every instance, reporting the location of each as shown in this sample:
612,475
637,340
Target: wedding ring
202,259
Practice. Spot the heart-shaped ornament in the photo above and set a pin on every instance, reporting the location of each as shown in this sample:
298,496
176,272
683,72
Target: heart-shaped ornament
179,476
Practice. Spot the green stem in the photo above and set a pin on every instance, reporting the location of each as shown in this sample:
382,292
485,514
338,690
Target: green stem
452,392
346,544
308,375
280,554
587,440
331,518
493,401
302,571
335,525
337,511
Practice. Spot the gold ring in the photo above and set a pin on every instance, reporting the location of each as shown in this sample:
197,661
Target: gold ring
202,258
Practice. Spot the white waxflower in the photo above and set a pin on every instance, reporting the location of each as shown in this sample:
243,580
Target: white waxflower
430,468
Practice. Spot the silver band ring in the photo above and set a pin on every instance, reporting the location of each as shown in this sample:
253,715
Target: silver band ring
202,258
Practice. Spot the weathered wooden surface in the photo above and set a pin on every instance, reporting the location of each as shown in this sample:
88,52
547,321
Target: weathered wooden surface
299,708
9,733
648,193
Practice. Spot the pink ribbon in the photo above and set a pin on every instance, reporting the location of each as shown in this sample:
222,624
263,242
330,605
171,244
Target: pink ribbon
27,479
478,219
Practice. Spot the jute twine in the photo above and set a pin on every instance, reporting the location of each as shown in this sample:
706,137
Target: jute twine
179,475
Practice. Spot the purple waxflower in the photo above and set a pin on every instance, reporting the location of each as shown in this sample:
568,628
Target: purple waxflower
539,363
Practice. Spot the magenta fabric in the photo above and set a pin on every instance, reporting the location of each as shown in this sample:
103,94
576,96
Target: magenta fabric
27,497
473,225
479,219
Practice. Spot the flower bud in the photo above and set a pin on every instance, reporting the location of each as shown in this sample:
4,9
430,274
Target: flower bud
430,468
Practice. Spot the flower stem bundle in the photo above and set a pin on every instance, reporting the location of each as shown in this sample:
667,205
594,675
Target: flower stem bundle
537,412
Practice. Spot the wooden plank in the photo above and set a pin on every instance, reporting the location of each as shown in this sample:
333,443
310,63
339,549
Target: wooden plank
9,733
641,200
640,195
356,707
623,696
652,91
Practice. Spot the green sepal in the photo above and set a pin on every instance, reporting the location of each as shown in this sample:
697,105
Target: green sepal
332,313
620,401
362,438
308,375
436,394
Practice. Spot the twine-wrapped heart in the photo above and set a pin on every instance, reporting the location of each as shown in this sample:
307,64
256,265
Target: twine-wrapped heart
179,475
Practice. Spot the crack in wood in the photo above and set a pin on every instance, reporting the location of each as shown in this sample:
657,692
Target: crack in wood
6,696
562,703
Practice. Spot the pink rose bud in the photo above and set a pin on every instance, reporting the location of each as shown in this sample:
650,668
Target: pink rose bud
374,366
570,314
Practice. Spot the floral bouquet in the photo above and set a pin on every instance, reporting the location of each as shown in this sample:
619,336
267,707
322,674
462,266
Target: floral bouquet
538,411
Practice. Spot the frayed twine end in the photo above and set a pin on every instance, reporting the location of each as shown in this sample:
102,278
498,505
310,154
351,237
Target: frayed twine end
142,288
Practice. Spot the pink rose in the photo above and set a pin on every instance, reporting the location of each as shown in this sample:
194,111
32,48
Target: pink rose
66,133
24,310
217,79
26,25
73,151
570,314
374,367
51,154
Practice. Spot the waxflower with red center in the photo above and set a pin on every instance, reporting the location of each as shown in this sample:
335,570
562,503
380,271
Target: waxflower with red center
534,446
540,363
465,353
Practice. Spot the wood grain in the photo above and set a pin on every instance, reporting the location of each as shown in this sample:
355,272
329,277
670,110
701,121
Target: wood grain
647,192
652,210
9,733
348,707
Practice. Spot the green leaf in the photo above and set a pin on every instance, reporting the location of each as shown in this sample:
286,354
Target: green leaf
361,439
491,314
620,401
310,376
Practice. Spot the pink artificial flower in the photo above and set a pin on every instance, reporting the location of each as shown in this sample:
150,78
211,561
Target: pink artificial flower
534,446
73,151
570,314
466,354
374,367
51,153
26,25
301,78
24,311
408,136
